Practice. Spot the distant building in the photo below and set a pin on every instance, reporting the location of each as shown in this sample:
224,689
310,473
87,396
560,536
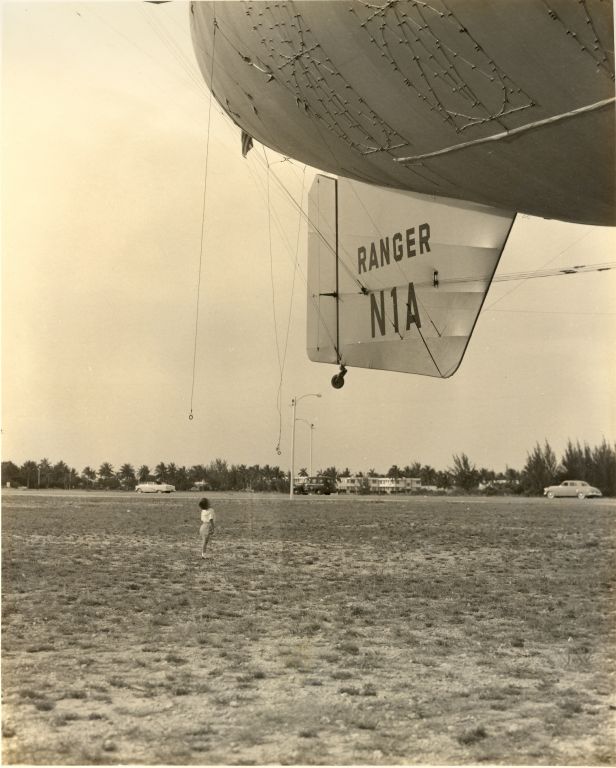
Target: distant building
354,483
491,484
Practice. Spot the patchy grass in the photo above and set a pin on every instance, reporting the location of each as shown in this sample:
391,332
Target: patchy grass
331,631
473,735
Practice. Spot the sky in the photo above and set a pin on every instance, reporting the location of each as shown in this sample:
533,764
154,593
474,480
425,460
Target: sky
104,146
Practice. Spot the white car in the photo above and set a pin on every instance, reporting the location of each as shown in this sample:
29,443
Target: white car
578,488
155,488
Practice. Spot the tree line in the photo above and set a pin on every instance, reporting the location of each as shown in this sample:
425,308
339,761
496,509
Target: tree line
596,465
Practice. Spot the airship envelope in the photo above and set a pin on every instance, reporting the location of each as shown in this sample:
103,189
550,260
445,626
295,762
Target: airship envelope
396,279
508,104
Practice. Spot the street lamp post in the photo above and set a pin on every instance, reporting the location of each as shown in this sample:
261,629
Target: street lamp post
294,402
311,431
312,427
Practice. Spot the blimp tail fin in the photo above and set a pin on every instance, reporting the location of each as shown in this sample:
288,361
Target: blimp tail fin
396,280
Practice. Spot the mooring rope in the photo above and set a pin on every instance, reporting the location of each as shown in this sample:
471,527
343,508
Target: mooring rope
205,177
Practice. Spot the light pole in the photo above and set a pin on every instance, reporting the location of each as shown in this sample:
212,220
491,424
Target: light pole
312,428
294,402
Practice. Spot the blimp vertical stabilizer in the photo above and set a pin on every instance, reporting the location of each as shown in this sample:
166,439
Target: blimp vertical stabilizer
396,280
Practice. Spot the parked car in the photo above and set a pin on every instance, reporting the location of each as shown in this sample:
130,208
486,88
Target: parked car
155,488
319,485
578,488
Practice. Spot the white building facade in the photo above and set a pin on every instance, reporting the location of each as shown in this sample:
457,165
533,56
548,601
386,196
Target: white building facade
377,485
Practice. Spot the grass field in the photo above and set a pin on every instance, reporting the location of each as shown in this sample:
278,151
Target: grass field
319,630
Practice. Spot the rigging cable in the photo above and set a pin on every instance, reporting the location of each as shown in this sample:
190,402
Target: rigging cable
302,213
343,257
207,155
547,263
348,269
271,261
193,78
286,341
168,40
264,189
271,258
297,267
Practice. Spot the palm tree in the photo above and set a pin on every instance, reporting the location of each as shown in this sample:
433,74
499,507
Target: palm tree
427,475
330,472
44,470
364,485
10,473
172,472
89,475
160,472
217,474
144,473
73,478
182,480
414,470
512,475
126,475
197,473
105,471
237,477
486,475
60,475
106,475
28,471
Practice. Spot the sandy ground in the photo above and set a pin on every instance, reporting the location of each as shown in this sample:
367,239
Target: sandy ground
319,630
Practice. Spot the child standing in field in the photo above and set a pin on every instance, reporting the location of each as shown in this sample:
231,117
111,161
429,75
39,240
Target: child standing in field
207,524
